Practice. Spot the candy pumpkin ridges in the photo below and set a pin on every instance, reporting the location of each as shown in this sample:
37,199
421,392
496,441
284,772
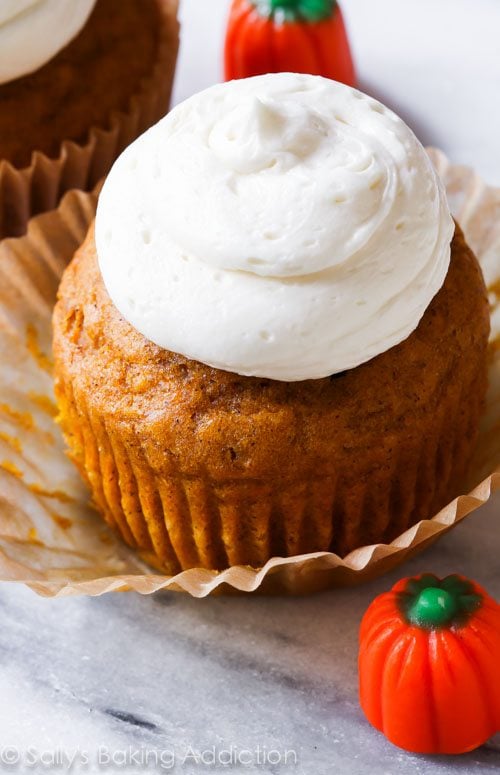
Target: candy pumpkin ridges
429,664
303,36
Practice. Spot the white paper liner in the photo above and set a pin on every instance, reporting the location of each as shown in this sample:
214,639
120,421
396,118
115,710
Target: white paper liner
51,540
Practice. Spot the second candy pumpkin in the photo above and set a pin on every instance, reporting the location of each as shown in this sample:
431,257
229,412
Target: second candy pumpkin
302,36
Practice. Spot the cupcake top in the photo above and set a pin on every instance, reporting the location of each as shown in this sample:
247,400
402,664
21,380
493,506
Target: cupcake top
33,31
284,226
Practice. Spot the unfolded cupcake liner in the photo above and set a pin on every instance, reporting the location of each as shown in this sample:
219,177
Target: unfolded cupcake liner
39,187
50,537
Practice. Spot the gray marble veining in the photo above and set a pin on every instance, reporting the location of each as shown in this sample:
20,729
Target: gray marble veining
167,675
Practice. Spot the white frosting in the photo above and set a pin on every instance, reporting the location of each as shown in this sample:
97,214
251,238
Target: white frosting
33,31
284,226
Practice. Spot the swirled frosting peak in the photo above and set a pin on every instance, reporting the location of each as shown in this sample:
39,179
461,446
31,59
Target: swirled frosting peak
33,31
284,226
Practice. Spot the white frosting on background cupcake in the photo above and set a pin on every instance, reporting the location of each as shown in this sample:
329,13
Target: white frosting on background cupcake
284,226
32,32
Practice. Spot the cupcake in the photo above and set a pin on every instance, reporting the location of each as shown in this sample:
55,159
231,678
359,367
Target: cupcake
274,340
78,82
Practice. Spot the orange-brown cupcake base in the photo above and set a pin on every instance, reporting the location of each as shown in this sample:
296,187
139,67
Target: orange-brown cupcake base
81,162
200,468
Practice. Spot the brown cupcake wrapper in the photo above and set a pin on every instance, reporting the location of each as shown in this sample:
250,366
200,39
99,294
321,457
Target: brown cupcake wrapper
179,522
39,187
53,542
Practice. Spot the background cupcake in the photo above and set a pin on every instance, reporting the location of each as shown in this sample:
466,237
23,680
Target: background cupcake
78,82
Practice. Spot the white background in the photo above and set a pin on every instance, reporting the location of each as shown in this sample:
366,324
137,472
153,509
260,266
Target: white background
436,62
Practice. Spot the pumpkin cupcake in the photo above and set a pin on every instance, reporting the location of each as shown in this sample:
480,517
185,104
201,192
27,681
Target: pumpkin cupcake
78,82
274,341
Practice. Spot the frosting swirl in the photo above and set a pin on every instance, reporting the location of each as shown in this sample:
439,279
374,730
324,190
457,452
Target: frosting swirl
33,31
283,226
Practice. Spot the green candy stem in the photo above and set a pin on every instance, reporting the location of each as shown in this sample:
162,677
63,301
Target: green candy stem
433,607
296,10
432,603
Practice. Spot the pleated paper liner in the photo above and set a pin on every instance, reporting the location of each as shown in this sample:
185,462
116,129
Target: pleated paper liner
50,538
39,187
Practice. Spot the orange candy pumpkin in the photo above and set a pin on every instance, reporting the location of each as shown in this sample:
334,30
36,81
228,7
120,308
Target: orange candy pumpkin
300,36
429,665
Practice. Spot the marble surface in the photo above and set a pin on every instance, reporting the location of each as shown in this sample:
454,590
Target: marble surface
167,675
167,683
